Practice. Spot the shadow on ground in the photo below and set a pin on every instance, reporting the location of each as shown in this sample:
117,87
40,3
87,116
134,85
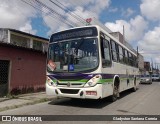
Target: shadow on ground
87,103
145,83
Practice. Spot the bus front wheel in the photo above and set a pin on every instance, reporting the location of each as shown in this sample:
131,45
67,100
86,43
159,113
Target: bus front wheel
115,95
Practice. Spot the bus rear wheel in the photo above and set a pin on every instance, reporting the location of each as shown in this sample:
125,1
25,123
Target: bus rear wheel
135,86
134,89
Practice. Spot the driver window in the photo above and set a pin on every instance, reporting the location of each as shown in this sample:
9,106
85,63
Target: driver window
105,51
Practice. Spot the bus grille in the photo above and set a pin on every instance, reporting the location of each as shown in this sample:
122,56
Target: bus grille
71,85
69,91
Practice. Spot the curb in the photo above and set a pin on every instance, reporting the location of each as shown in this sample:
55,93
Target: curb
27,103
5,99
30,94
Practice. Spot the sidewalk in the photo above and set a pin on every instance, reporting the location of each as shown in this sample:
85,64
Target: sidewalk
24,99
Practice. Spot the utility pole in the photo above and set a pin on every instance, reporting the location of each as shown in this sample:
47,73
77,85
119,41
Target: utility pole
151,68
137,57
151,64
155,65
123,35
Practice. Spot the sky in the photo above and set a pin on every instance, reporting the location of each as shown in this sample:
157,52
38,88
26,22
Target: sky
141,19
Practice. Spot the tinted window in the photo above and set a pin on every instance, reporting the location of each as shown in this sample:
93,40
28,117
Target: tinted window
114,52
120,54
77,55
126,56
130,58
105,51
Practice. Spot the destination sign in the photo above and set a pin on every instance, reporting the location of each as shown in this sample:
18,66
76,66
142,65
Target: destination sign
74,33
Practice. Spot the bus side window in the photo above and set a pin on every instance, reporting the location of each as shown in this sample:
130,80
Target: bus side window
102,48
125,56
121,54
117,51
114,51
105,50
136,61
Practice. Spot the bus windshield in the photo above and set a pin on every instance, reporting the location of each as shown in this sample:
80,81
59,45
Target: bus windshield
73,55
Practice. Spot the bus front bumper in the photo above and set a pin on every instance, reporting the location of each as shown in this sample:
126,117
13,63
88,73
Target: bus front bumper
70,92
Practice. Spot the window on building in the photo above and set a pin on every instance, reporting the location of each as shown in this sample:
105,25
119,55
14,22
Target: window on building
45,47
37,45
20,41
3,35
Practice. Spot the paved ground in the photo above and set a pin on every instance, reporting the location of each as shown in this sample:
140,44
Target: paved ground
146,101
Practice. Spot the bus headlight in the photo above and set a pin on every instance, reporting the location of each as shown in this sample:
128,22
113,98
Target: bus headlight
51,82
93,81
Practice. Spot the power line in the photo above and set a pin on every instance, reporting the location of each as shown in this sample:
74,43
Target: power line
74,24
66,9
84,4
54,12
69,11
38,6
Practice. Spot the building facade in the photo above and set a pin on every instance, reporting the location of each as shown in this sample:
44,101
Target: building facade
141,64
22,39
22,62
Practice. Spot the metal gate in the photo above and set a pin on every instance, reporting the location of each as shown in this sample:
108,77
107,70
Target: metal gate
4,74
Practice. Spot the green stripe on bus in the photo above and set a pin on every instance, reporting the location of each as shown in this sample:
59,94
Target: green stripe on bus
101,81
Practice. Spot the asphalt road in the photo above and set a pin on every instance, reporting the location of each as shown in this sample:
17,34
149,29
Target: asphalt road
145,101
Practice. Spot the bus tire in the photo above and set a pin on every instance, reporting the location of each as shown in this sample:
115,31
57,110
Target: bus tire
134,89
115,95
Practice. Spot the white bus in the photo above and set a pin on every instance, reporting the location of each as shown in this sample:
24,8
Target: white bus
88,63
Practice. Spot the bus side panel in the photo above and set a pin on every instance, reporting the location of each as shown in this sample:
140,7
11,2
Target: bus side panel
107,89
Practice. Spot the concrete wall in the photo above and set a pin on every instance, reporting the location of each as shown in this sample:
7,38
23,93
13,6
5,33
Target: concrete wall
3,35
118,36
140,62
27,68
